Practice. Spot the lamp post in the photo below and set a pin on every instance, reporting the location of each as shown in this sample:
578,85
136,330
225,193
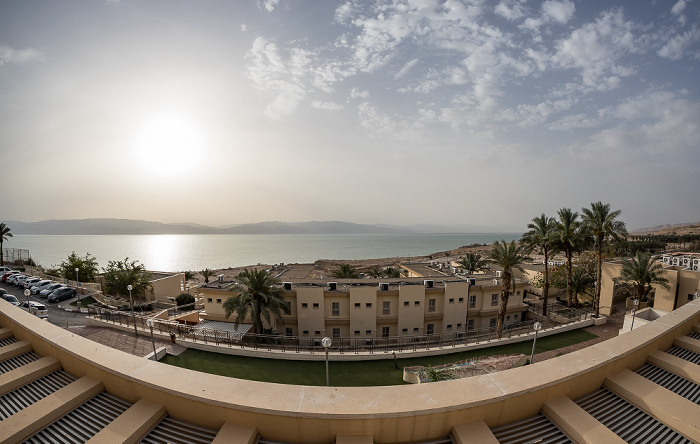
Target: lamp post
396,365
77,281
326,342
634,312
149,322
537,326
27,293
131,299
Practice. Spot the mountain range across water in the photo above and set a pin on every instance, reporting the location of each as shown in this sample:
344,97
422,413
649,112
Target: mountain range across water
106,226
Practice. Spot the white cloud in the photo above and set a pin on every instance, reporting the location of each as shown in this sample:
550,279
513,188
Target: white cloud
355,93
558,11
244,27
597,49
407,67
330,106
511,10
675,47
269,5
19,56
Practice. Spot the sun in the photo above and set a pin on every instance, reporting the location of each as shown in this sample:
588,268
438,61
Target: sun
168,143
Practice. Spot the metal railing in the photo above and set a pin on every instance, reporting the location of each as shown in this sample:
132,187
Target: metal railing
356,345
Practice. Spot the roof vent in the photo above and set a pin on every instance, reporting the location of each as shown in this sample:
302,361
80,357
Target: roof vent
428,283
472,281
383,287
332,286
287,286
221,278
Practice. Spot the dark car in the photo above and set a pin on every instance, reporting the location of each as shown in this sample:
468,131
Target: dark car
62,294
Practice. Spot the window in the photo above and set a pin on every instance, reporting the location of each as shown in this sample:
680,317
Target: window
385,332
472,301
336,332
461,300
690,296
209,300
368,305
288,331
405,303
431,304
449,326
470,324
417,303
304,305
357,332
452,300
404,330
368,332
386,307
507,318
494,299
459,325
492,322
218,301
315,304
518,292
357,305
415,330
306,332
431,328
515,317
317,332
335,308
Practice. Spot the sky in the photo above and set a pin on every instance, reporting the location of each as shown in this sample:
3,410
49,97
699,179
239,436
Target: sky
470,112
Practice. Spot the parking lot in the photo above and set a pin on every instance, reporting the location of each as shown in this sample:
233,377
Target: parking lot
57,316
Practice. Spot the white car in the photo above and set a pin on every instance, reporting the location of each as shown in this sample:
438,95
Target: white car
49,289
13,279
36,288
36,308
32,281
19,281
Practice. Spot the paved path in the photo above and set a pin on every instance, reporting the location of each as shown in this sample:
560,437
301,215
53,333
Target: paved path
126,342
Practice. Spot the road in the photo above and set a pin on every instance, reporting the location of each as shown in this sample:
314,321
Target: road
57,316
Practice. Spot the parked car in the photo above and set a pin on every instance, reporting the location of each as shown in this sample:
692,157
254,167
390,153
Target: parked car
5,269
20,280
62,294
8,274
13,279
50,289
36,308
36,288
11,299
32,281
2,291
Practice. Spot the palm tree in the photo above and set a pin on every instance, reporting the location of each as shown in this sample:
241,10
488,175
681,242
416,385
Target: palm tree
261,299
581,282
345,271
375,272
539,237
639,273
603,226
391,272
4,235
206,274
569,237
472,262
508,257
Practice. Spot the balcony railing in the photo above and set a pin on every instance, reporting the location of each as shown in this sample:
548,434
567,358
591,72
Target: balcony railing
298,344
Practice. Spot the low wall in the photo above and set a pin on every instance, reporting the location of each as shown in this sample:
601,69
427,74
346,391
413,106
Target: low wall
313,415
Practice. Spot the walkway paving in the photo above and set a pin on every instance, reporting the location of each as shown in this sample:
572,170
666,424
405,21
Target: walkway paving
126,342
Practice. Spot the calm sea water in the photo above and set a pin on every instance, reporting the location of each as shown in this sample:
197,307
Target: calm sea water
181,252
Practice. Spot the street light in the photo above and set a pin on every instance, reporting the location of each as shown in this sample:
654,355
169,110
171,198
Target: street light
27,293
326,342
396,365
77,280
149,322
537,326
634,312
131,299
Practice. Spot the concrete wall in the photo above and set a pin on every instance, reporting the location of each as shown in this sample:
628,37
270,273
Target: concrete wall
318,414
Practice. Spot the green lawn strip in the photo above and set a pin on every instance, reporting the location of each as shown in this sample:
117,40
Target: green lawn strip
352,373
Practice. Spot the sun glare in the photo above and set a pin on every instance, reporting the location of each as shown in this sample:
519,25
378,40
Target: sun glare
169,143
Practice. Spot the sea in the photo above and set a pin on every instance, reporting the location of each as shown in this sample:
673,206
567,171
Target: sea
195,252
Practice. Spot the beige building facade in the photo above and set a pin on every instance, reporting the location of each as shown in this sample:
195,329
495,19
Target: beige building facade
367,308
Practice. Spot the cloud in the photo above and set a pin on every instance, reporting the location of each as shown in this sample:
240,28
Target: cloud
511,10
244,27
597,49
678,9
330,106
355,93
407,67
675,47
551,11
268,5
19,56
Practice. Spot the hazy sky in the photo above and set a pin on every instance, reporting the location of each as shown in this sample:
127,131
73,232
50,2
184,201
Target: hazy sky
456,112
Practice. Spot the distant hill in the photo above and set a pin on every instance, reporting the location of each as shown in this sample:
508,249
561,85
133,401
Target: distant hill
127,226
686,228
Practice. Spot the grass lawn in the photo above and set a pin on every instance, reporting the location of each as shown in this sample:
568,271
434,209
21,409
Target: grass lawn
84,302
348,374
